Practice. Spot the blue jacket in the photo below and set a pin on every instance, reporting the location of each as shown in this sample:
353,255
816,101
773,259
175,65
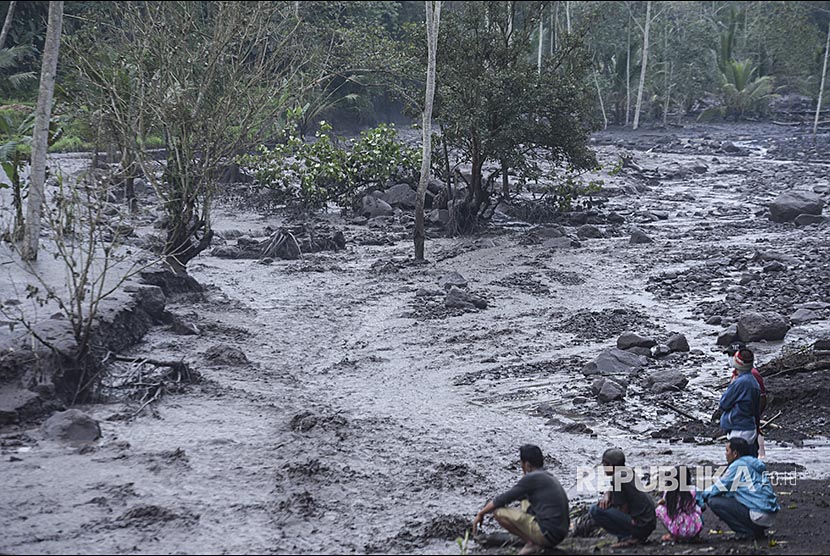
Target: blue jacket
741,404
757,496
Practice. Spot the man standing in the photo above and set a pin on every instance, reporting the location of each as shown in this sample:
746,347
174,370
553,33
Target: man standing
743,498
544,518
740,403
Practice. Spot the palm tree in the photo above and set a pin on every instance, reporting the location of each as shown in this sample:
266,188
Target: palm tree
743,92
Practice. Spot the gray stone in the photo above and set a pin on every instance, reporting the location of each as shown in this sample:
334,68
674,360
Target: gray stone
822,344
629,340
439,217
804,315
611,391
452,279
814,305
660,350
184,328
667,381
678,342
614,362
425,292
372,207
775,266
645,352
72,426
728,336
714,320
224,354
810,219
787,206
749,277
460,299
638,236
589,232
401,196
226,252
559,243
549,231
753,327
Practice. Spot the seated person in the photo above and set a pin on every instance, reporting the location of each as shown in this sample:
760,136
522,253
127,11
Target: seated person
679,512
624,511
743,498
544,518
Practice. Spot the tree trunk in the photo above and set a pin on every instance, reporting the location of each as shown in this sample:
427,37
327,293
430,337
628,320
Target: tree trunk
7,25
541,39
601,102
433,19
821,87
568,17
128,168
40,137
642,83
505,181
667,101
552,24
628,78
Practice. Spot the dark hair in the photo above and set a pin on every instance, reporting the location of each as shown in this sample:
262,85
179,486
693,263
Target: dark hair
740,446
533,455
734,348
613,457
680,500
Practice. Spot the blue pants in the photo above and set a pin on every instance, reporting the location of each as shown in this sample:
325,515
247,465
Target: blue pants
736,516
618,523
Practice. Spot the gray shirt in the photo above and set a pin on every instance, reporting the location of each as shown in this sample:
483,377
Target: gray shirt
548,501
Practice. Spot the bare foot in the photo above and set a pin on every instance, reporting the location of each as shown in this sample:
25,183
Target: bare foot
529,548
667,538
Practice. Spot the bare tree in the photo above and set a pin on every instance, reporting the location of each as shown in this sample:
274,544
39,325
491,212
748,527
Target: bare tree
821,87
40,136
645,29
7,25
433,19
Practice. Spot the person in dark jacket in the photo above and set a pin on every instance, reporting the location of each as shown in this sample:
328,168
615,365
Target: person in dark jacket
732,350
544,518
624,511
741,403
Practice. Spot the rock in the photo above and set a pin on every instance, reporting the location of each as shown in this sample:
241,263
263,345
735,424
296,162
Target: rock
424,292
610,391
549,231
629,340
150,299
560,243
714,320
749,277
439,217
788,206
814,305
226,252
614,218
460,299
638,236
451,279
728,336
822,344
678,342
359,221
753,327
589,232
372,207
775,266
73,426
401,196
184,328
660,350
804,315
224,354
667,381
645,352
614,362
810,219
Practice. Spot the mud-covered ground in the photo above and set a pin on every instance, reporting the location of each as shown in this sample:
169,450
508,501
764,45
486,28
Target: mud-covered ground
366,417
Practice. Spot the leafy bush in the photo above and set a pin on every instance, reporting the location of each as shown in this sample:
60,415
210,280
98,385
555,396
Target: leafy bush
309,175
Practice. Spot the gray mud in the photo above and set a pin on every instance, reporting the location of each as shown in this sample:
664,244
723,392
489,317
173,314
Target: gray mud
369,419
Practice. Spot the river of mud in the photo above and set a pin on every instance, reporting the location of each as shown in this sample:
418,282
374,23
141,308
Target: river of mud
368,418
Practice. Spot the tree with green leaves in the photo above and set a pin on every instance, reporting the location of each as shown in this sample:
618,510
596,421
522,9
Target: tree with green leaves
496,108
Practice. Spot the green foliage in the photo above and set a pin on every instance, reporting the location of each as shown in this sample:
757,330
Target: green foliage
309,175
743,92
570,192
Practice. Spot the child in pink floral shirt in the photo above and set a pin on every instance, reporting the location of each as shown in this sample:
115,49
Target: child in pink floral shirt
679,512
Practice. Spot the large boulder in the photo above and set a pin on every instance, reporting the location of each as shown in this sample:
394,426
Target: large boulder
678,342
372,207
667,381
613,362
73,426
804,315
459,299
787,206
451,279
638,236
630,340
587,231
728,336
608,390
401,196
753,327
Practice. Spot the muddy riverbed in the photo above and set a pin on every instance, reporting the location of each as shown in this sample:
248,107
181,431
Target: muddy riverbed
366,417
